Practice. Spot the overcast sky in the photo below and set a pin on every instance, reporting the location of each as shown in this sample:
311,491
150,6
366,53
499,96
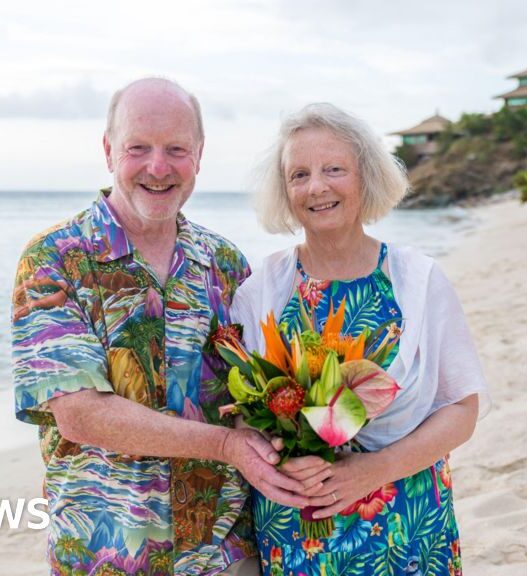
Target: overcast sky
249,62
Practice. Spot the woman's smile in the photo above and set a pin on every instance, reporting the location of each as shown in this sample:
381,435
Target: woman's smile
324,207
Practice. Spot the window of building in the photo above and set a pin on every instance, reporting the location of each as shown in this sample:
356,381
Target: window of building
517,102
415,139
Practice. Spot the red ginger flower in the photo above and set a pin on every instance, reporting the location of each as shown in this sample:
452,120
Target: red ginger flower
286,401
312,547
276,555
372,504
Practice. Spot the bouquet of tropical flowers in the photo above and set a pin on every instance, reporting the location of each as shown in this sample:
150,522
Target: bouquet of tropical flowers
315,390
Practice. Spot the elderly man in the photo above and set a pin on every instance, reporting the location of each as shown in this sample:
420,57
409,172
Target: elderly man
111,312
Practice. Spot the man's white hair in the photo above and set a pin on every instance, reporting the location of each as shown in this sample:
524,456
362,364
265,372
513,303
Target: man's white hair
116,98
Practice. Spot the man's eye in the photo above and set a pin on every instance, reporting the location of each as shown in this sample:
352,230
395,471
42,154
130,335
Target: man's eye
137,149
177,151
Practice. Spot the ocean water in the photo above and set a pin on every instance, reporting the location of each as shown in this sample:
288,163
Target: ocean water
23,214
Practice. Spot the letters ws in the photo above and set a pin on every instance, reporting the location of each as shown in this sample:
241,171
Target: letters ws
14,517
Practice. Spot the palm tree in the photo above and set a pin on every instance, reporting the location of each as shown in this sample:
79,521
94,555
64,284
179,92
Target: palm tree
142,336
161,562
70,550
206,495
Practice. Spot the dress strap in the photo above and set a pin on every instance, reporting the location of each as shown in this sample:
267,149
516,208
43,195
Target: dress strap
382,255
305,277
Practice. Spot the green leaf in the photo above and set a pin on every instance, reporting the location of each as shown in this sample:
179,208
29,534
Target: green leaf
316,394
239,389
234,360
287,424
331,378
275,383
269,370
261,422
302,374
290,442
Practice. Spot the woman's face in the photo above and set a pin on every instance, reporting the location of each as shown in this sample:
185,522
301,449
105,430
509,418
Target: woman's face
322,181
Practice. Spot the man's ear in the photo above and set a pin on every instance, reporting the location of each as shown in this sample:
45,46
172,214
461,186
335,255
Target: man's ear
107,151
200,152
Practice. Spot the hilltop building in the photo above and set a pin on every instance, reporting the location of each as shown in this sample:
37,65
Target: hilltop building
518,97
423,137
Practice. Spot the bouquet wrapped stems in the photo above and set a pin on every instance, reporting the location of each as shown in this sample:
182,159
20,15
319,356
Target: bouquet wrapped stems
315,528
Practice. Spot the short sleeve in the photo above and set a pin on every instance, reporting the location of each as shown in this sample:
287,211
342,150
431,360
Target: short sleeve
459,369
55,350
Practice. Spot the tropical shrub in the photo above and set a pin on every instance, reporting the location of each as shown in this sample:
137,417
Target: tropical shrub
520,181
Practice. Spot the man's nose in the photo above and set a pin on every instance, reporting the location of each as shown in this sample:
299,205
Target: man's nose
159,166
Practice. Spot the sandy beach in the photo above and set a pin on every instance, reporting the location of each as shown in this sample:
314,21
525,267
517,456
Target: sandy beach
489,270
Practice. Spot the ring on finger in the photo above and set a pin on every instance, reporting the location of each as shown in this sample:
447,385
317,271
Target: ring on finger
335,499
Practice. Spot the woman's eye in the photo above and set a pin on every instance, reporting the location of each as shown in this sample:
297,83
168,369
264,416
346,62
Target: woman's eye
334,169
298,175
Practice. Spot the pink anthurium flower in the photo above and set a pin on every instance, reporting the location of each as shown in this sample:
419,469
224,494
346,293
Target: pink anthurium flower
373,385
340,420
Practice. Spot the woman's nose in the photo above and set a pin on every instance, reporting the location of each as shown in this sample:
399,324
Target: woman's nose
317,184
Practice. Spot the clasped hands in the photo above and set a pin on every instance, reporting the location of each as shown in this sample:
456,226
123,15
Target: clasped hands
307,480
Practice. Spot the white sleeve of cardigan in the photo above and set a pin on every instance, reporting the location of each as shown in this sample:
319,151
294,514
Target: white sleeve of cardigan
243,311
459,371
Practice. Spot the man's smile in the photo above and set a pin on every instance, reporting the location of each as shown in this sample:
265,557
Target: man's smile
157,188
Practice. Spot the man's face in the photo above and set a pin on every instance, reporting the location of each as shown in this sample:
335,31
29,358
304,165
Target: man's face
154,153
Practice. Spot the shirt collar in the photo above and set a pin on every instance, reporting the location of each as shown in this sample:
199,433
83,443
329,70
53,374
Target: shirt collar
109,238
189,239
111,243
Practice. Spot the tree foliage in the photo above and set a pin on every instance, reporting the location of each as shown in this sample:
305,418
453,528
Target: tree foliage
520,181
407,154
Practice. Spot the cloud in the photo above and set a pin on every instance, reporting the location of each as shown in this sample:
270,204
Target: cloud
80,101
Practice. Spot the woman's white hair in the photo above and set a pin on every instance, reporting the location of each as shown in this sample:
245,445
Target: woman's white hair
384,181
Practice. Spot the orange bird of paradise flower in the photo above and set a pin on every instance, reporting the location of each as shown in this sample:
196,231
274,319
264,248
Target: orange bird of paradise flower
276,350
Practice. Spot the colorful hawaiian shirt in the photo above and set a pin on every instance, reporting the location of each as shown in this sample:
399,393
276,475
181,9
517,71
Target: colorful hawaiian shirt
89,313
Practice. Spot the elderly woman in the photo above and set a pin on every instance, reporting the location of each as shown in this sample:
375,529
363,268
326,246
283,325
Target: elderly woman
390,490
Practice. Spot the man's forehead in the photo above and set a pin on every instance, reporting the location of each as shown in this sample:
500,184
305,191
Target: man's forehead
153,99
154,105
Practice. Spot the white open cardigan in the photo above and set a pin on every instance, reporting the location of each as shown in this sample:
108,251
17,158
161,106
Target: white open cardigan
437,363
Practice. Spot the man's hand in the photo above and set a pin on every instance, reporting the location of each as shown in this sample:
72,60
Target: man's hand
249,452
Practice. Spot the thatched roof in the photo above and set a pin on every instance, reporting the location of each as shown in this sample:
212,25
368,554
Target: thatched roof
522,74
520,92
431,125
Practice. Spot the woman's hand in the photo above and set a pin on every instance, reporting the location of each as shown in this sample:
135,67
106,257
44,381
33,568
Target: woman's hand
350,478
310,470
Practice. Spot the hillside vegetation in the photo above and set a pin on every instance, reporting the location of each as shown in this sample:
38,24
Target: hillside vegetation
479,155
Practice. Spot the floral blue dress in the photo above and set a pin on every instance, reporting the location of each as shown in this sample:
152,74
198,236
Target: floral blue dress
404,528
